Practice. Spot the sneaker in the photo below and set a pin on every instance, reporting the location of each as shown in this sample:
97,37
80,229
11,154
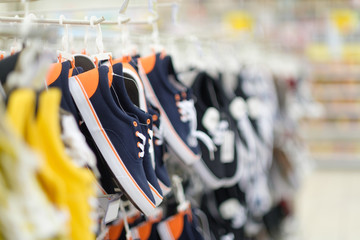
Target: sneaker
226,212
146,229
181,226
121,96
223,168
58,76
109,127
135,88
257,131
176,106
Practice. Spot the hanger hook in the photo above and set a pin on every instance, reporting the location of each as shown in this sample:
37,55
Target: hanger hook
65,38
99,37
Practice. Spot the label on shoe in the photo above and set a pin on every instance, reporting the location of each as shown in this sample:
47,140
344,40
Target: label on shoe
112,211
228,148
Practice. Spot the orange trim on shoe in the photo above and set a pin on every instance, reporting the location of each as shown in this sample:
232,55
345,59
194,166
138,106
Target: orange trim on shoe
89,81
53,73
144,230
176,225
155,191
110,75
148,63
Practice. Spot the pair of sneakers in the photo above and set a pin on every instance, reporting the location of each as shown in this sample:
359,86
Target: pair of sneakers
118,132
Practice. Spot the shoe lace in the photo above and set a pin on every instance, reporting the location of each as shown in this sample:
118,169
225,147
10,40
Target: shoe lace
218,133
188,114
151,146
159,133
141,145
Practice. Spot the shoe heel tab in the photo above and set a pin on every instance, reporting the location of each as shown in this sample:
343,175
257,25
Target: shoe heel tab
89,80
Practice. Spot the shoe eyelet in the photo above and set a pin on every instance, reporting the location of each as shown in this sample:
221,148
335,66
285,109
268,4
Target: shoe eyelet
139,155
135,123
137,133
154,117
183,94
148,121
138,144
177,97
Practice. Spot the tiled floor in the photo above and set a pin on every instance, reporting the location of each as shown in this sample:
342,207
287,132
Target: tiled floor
328,206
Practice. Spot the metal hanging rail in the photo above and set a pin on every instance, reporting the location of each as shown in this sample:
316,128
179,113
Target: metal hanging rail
54,21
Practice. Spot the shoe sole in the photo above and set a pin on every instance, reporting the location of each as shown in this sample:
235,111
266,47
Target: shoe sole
165,189
157,196
170,134
132,189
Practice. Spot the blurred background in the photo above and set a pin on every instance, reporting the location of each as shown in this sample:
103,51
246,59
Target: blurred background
315,42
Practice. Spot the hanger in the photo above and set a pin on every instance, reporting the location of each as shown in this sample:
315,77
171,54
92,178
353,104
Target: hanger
183,204
23,75
83,60
156,46
65,54
101,56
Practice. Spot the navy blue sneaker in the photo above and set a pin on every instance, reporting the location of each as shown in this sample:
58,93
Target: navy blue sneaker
175,103
135,89
121,96
119,137
58,77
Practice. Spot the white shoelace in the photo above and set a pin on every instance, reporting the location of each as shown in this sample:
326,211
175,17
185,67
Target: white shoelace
151,147
141,145
188,114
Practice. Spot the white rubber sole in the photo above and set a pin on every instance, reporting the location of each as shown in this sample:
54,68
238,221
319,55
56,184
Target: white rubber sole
106,148
157,196
166,190
172,138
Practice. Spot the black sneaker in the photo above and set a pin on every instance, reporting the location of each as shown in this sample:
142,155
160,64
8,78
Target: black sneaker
223,168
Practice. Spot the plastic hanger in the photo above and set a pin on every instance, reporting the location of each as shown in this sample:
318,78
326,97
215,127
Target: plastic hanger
183,204
83,60
23,74
156,47
65,54
101,56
